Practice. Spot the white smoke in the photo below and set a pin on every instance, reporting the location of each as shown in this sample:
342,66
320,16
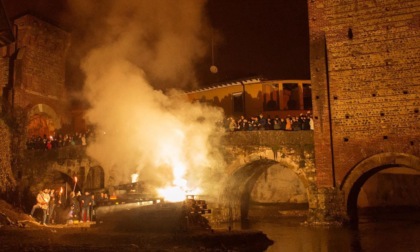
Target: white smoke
139,128
165,38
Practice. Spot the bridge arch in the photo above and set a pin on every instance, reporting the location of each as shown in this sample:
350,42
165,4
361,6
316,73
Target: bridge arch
59,179
359,174
237,192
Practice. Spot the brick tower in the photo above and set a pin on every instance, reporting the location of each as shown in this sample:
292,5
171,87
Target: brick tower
34,74
365,65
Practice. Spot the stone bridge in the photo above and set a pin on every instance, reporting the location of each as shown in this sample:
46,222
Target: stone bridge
256,163
58,168
250,156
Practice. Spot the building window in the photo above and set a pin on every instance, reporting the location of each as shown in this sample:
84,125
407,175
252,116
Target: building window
291,96
307,96
271,97
238,102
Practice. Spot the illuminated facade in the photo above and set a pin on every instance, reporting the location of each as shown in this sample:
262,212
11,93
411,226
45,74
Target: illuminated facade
254,96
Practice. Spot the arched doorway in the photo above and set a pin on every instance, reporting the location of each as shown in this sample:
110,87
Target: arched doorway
358,176
95,178
256,183
53,179
42,120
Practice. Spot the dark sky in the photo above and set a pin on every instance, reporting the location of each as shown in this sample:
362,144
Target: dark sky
261,37
267,38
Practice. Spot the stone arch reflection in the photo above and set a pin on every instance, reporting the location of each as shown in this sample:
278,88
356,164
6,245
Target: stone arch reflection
358,176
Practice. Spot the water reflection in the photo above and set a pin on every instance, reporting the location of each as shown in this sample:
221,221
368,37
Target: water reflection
384,232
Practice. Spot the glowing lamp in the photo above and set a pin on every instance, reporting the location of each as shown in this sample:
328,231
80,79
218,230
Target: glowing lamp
213,69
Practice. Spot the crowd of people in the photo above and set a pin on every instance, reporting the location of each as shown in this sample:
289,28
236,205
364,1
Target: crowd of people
59,209
261,122
57,141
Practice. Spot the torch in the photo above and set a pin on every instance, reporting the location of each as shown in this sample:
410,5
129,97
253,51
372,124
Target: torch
75,183
60,195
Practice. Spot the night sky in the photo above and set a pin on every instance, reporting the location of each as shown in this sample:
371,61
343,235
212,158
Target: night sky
261,37
267,38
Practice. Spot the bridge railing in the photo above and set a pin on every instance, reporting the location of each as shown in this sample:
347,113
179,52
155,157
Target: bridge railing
270,138
57,154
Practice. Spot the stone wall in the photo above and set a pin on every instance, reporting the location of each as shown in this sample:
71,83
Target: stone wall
279,184
32,73
293,150
41,166
42,52
4,75
35,66
255,160
365,60
7,180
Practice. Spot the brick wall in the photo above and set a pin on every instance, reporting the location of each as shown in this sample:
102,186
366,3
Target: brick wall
4,74
365,65
39,67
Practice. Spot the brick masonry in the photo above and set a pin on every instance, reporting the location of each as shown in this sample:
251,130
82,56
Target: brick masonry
365,65
373,77
37,61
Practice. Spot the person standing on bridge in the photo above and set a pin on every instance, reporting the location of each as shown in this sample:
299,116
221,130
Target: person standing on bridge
288,123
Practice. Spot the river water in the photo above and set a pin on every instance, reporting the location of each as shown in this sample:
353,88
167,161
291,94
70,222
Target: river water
382,232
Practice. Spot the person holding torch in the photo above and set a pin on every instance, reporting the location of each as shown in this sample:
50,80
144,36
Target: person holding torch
75,183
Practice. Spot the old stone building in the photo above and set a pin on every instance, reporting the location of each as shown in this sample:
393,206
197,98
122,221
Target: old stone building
6,175
365,64
33,75
32,87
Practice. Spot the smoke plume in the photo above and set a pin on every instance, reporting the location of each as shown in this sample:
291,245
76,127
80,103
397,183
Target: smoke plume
164,38
139,128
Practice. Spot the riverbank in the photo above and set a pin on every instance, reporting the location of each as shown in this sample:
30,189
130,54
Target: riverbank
25,234
93,239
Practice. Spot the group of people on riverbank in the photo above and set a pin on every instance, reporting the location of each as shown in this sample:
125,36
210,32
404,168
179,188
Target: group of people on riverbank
59,209
82,207
261,122
52,205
